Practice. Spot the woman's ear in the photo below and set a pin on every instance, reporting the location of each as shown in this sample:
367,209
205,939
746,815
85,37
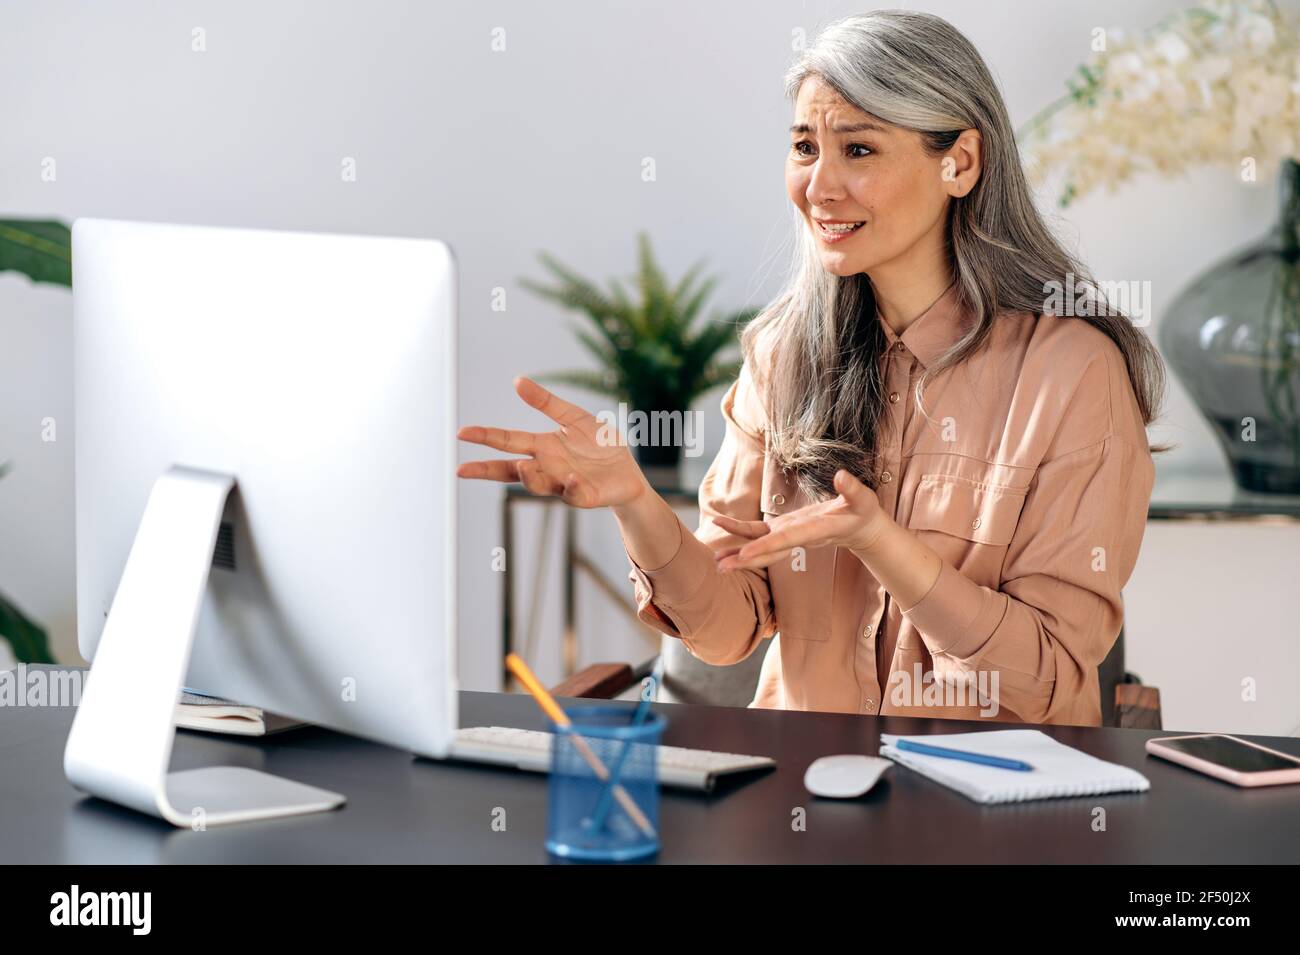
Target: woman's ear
962,164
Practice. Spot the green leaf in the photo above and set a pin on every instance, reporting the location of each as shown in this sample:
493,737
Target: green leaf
656,303
684,286
42,251
691,308
587,380
606,357
645,342
39,249
26,637
572,287
614,319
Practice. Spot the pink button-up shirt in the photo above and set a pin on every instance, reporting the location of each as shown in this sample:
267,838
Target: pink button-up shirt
1031,480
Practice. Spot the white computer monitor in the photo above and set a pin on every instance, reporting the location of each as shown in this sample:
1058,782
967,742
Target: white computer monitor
265,496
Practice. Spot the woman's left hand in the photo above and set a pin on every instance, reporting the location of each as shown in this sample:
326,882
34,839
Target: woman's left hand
852,520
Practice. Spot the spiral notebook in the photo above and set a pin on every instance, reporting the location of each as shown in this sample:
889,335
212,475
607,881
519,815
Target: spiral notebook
1058,769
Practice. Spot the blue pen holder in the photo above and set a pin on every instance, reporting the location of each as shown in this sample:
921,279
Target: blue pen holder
584,819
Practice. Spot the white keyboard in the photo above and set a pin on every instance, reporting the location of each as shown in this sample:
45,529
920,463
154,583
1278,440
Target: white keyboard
531,750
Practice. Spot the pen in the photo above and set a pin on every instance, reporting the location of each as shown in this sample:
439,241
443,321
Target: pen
942,751
552,709
648,693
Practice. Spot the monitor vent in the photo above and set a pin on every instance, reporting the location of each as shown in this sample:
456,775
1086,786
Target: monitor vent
223,555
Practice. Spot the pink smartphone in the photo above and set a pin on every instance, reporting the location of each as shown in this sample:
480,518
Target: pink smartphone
1225,757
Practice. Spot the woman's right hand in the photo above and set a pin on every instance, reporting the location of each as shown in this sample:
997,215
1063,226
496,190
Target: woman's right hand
575,462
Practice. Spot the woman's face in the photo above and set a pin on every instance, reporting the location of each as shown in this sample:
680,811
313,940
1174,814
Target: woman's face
869,192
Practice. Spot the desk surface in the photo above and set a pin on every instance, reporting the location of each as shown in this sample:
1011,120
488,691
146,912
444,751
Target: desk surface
402,809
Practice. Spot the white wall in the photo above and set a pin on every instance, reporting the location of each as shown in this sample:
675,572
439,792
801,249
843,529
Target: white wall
1211,620
503,155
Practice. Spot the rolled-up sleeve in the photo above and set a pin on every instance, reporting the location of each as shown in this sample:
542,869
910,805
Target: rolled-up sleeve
721,618
1058,609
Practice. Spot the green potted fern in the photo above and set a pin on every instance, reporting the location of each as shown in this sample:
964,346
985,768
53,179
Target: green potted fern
652,351
41,250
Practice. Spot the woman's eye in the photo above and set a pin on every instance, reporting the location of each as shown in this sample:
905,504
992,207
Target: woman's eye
806,149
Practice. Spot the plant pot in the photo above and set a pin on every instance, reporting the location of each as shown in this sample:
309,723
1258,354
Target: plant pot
1233,339
661,464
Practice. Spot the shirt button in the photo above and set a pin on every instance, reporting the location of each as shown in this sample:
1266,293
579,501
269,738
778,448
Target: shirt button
778,499
869,706
893,397
975,523
898,346
886,477
867,632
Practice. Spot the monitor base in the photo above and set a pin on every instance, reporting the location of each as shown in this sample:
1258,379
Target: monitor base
121,740
216,795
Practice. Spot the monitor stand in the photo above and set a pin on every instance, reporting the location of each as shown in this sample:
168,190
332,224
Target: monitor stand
121,740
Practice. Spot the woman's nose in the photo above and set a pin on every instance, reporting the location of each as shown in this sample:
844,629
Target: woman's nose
826,184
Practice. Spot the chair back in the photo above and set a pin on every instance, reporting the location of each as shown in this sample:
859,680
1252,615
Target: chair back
688,680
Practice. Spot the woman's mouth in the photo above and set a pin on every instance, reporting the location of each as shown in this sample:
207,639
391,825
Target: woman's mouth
832,232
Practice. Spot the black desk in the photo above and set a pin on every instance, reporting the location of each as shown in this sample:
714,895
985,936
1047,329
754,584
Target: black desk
405,810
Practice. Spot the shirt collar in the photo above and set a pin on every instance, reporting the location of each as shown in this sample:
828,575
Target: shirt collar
935,330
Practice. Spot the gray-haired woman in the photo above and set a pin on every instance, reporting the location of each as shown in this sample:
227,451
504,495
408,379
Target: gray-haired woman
936,473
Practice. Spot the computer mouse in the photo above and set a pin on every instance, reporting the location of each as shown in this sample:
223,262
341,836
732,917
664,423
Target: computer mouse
844,777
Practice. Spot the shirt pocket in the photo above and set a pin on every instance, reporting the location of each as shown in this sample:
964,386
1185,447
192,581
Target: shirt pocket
973,511
802,585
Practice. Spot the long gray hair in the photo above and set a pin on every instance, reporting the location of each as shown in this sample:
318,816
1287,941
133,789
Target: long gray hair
824,391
